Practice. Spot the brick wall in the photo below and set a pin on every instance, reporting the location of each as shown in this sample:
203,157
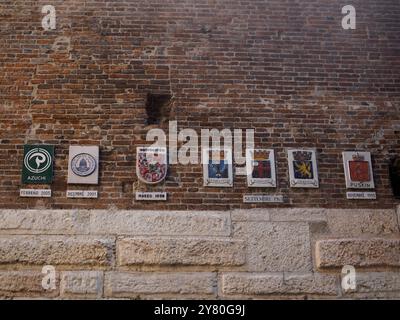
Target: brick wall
284,68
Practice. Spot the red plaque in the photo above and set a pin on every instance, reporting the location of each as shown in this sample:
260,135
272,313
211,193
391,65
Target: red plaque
359,171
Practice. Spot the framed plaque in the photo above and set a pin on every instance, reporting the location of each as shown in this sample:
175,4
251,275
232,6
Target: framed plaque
303,170
217,167
358,170
151,164
260,165
83,165
37,167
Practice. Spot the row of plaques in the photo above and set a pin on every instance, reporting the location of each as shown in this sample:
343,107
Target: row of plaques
83,164
152,167
38,168
303,170
260,168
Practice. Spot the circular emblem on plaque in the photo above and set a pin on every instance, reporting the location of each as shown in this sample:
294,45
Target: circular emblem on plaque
83,164
37,160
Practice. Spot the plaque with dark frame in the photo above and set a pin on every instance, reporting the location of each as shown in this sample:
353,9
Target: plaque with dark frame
394,171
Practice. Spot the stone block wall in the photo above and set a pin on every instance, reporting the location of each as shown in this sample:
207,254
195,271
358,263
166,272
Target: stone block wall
247,254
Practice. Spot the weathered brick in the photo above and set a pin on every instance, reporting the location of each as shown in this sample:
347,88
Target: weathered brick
44,222
180,251
160,223
298,214
82,284
123,284
56,250
371,282
355,222
312,283
25,283
376,252
278,283
252,284
275,246
250,215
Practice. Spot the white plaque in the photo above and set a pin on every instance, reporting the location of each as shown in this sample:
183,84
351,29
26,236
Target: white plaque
86,194
35,193
303,170
83,165
241,171
253,198
358,170
151,196
361,195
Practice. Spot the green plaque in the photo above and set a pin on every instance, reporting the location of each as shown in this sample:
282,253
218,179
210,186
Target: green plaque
37,166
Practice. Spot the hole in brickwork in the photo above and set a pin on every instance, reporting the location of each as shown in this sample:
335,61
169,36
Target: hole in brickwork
158,107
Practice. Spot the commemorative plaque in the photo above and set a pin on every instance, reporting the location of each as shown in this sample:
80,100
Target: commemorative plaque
361,195
217,168
303,170
151,164
151,196
35,193
82,194
263,198
260,164
83,165
37,165
358,170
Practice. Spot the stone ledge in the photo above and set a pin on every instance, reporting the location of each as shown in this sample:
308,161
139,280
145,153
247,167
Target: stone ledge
250,215
278,283
123,284
356,222
362,253
25,283
279,215
56,250
298,214
153,223
44,222
82,284
340,222
378,282
180,251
